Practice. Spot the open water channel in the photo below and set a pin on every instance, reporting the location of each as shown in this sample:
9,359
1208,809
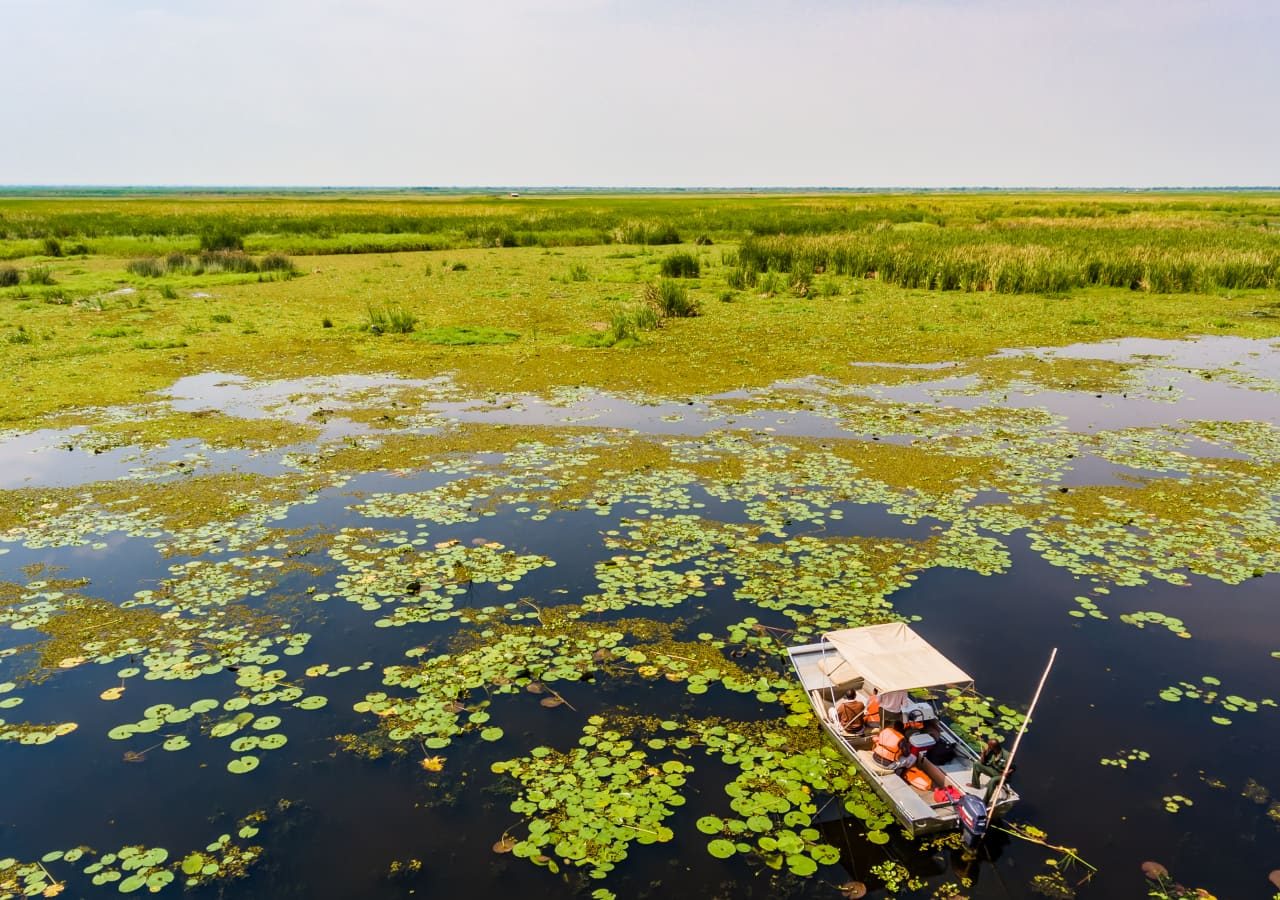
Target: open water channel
341,688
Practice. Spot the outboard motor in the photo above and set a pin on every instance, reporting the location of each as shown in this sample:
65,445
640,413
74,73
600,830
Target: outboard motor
973,820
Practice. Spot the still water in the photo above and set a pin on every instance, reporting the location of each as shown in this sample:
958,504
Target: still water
1195,795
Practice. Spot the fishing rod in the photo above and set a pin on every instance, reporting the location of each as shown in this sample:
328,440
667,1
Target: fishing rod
975,815
1008,763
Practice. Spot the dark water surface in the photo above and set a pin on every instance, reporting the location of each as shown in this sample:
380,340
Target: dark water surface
346,819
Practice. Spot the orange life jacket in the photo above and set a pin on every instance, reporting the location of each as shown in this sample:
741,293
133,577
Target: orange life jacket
888,748
872,716
918,779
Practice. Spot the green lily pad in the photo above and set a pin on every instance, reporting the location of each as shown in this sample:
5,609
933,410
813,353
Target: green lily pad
242,765
721,849
710,825
801,865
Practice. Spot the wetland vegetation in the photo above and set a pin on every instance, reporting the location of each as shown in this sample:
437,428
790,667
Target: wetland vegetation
484,523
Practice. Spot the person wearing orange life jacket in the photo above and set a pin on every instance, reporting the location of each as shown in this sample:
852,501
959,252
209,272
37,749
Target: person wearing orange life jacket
892,752
872,715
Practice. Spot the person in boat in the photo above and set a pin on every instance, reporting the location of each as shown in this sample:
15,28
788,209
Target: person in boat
892,752
871,717
850,713
892,704
990,763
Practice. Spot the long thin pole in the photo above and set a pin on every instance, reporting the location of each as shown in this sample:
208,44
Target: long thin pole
1008,763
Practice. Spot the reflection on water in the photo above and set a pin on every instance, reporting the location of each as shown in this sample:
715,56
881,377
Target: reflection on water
722,524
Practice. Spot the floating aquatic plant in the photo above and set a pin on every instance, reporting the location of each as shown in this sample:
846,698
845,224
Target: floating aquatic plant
1124,757
586,806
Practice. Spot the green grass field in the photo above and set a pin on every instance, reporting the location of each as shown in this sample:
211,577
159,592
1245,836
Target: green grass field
103,299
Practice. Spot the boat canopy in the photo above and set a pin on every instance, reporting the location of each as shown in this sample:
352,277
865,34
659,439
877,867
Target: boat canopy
892,657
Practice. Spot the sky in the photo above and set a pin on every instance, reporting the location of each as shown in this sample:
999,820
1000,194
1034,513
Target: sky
840,93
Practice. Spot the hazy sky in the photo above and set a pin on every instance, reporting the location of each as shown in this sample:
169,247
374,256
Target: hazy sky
599,92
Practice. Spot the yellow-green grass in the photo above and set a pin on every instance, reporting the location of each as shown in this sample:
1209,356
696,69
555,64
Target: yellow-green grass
127,224
79,343
275,327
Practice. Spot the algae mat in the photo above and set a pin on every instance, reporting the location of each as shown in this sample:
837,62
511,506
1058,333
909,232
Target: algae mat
371,635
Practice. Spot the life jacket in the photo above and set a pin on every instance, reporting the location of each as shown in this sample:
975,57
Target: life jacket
918,779
872,716
888,748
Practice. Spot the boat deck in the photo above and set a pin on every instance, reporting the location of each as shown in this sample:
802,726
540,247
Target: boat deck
917,810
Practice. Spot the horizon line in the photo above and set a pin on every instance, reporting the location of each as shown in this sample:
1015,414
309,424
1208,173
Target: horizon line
604,189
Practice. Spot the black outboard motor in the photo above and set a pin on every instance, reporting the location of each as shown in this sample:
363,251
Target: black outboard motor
973,820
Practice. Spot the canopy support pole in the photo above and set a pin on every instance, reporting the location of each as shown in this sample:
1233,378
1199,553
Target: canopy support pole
832,684
1008,763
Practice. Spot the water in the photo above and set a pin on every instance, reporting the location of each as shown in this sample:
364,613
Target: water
336,822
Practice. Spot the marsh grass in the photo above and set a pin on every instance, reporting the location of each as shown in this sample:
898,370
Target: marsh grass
220,239
51,246
680,265
9,276
802,281
136,225
742,277
277,262
40,275
627,323
212,262
652,232
578,272
1031,259
389,320
221,318
148,267
670,299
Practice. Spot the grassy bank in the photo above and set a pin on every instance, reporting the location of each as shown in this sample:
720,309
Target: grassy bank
128,225
101,328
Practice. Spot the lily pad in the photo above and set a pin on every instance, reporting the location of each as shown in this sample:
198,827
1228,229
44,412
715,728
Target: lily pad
242,765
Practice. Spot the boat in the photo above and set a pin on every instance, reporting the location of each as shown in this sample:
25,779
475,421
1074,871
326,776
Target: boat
907,673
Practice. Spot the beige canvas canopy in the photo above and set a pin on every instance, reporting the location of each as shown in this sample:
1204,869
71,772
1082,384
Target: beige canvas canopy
892,657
